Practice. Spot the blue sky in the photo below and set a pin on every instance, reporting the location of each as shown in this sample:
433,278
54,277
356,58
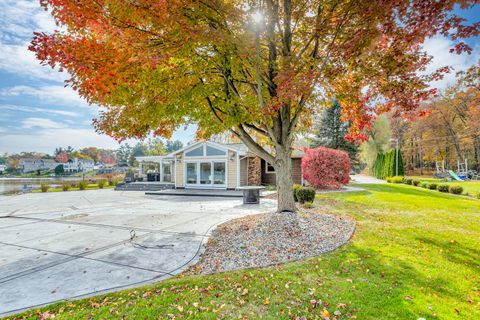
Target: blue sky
37,113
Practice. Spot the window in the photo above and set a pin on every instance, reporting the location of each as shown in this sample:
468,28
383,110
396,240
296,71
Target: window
215,152
197,152
192,173
269,168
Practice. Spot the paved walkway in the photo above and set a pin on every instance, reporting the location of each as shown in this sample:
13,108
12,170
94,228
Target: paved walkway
364,179
58,246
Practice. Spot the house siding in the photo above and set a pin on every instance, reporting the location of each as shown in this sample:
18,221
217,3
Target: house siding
270,178
243,171
179,169
232,170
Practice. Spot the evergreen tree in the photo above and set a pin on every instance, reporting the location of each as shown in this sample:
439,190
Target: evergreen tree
332,131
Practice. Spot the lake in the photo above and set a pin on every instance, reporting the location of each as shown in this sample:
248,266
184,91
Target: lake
15,185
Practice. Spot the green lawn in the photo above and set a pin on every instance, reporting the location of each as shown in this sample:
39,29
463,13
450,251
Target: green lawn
469,187
415,254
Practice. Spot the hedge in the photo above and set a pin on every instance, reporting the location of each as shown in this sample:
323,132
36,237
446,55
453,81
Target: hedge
385,165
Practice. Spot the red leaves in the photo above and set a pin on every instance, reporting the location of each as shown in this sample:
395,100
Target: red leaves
326,168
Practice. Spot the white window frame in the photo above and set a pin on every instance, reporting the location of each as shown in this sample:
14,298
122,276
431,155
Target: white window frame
197,164
266,168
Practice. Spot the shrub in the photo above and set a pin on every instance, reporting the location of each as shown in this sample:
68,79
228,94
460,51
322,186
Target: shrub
396,179
112,182
415,182
432,186
295,188
44,187
82,185
455,189
65,187
424,184
101,184
305,194
389,179
408,181
326,168
478,195
443,187
73,185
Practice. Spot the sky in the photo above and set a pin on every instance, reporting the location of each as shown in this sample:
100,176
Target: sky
37,113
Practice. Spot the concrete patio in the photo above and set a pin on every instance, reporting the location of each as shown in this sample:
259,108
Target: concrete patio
58,246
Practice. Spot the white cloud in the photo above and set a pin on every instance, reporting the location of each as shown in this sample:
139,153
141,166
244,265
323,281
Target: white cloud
16,59
46,140
439,48
19,18
51,94
42,123
26,109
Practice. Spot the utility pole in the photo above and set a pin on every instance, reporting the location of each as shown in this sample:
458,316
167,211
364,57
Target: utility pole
396,159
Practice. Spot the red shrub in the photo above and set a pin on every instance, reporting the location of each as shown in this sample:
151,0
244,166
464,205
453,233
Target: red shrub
326,168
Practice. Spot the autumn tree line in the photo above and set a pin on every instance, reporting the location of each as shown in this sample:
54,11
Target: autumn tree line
448,131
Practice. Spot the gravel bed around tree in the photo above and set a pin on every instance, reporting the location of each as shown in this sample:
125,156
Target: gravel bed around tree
272,238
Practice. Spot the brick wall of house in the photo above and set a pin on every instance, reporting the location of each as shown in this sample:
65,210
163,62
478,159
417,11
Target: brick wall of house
270,178
254,173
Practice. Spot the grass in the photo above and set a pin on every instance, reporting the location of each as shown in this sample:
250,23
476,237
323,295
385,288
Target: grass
469,187
415,254
90,186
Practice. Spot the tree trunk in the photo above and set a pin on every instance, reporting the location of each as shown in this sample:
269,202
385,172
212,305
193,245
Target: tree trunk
283,169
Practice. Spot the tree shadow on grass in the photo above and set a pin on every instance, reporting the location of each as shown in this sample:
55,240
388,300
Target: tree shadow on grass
455,252
377,286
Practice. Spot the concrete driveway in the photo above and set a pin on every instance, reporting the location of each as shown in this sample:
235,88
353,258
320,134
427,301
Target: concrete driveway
67,245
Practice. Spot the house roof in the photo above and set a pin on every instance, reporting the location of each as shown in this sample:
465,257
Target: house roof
233,147
241,148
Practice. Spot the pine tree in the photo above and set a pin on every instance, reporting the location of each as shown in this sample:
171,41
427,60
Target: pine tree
332,131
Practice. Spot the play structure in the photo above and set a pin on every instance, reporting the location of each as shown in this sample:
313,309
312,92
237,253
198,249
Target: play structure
462,173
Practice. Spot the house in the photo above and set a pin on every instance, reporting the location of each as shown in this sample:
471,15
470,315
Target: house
32,165
207,164
3,168
76,165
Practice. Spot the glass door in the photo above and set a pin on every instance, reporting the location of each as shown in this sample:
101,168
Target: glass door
205,173
219,173
192,173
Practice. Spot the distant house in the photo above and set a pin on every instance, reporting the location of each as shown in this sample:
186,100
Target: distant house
76,165
3,168
32,165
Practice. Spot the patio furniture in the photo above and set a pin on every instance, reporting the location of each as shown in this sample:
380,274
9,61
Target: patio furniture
251,194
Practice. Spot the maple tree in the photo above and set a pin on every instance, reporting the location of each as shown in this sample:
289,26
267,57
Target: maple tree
258,69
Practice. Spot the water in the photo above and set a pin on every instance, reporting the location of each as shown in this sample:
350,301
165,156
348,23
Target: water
16,185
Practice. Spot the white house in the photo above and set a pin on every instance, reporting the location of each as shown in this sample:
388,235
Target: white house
31,165
208,164
3,168
76,165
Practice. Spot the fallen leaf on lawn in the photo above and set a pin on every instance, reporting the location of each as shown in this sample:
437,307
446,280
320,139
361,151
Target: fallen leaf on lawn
266,301
408,298
325,314
337,313
341,305
180,308
46,315
469,299
147,294
349,280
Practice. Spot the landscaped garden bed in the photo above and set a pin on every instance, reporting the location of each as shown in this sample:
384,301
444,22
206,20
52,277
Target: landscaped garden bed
271,238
